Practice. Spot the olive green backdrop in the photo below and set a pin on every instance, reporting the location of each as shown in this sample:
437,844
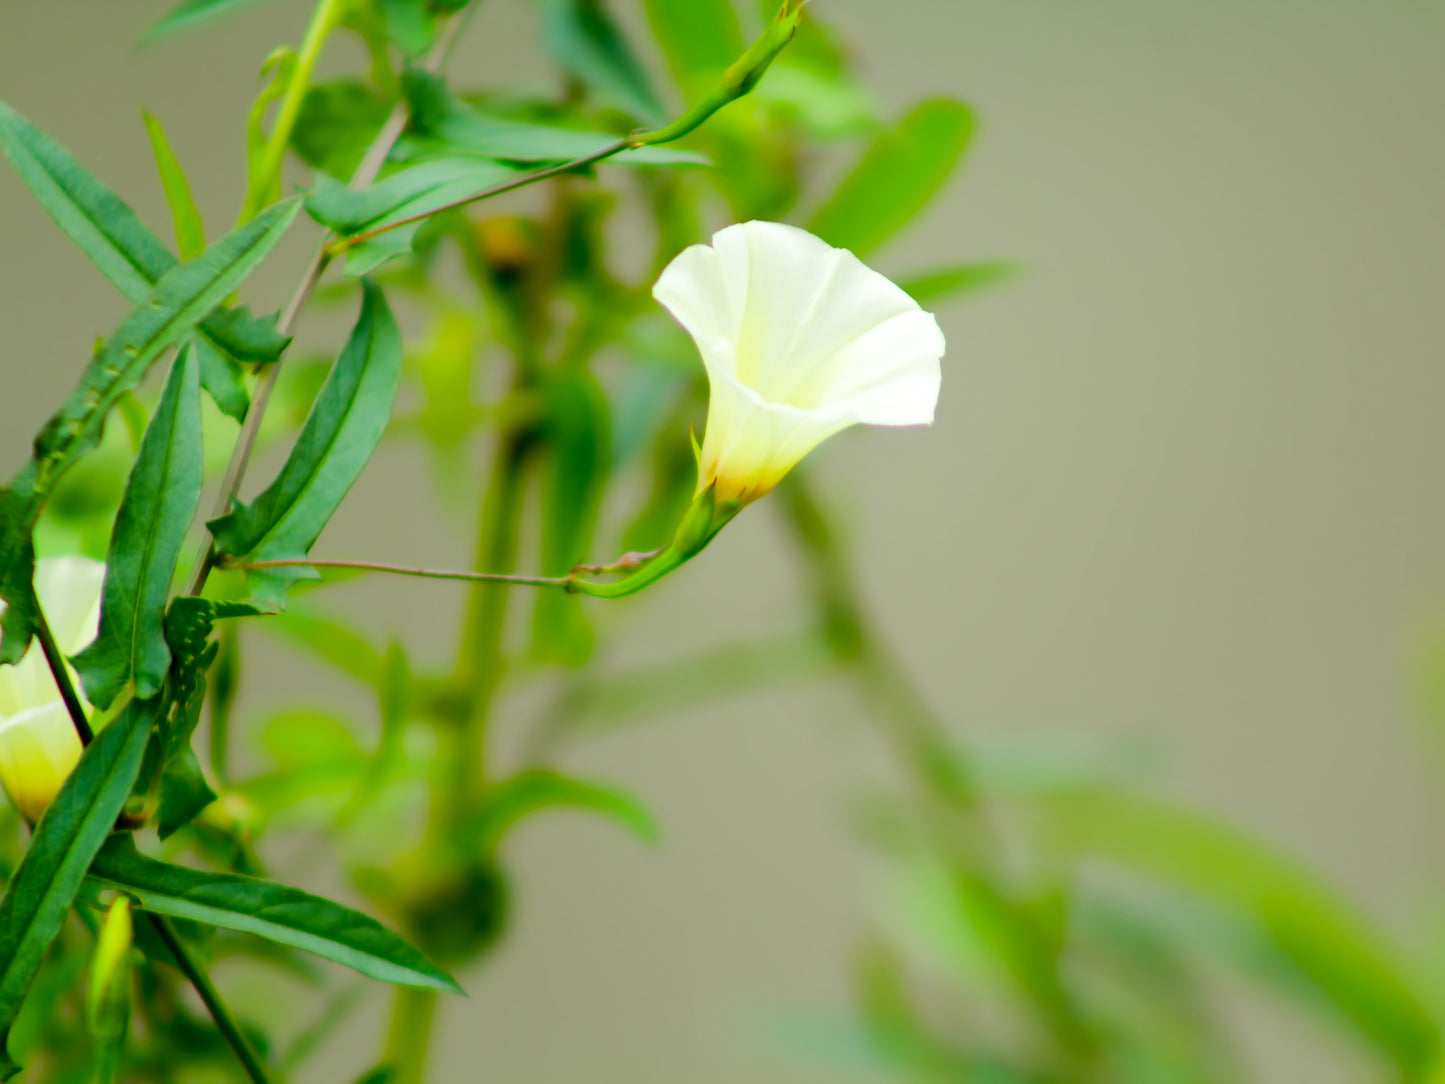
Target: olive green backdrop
1184,487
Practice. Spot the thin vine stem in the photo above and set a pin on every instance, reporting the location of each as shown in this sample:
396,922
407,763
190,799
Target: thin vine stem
56,661
402,570
225,1020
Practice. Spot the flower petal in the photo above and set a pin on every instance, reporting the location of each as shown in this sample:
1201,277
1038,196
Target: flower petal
38,749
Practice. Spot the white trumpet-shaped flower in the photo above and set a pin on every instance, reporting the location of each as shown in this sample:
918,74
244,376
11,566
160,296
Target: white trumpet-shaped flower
38,744
800,340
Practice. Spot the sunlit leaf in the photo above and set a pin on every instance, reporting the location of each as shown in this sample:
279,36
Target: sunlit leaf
334,447
273,911
156,511
700,38
39,892
898,176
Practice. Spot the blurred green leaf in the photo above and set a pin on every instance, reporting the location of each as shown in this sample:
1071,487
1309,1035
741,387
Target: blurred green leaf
273,911
585,41
1320,935
189,14
39,893
415,190
329,639
190,230
700,38
160,501
337,123
573,476
344,428
947,283
537,790
410,24
182,297
897,177
263,184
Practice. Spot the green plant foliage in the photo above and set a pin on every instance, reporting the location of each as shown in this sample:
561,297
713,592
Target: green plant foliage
700,38
39,891
516,799
585,41
896,179
192,13
948,283
174,306
156,511
190,230
343,430
337,122
285,915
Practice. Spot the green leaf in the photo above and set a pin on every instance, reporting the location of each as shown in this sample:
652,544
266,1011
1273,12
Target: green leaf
189,14
156,510
584,40
337,123
514,800
699,37
335,445
574,475
263,178
454,126
331,640
122,246
223,379
190,230
1321,937
897,177
410,24
948,282
40,891
276,912
416,190
182,297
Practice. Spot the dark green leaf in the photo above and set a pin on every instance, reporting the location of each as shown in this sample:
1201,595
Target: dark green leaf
585,40
191,13
156,510
223,379
118,242
574,475
949,282
337,123
699,37
897,177
182,297
40,891
335,445
273,911
416,190
190,230
537,789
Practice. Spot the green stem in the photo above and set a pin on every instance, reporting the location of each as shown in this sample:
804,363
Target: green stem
408,1038
403,570
322,21
55,659
210,996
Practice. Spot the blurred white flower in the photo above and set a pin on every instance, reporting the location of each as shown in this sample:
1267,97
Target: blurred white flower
38,743
800,340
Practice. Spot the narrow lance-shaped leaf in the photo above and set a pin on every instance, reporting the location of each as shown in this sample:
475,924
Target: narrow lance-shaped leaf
182,297
274,911
42,888
192,13
190,230
335,445
115,239
585,40
897,177
159,503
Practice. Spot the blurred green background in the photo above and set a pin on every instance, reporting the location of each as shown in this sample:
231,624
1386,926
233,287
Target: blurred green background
1180,493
